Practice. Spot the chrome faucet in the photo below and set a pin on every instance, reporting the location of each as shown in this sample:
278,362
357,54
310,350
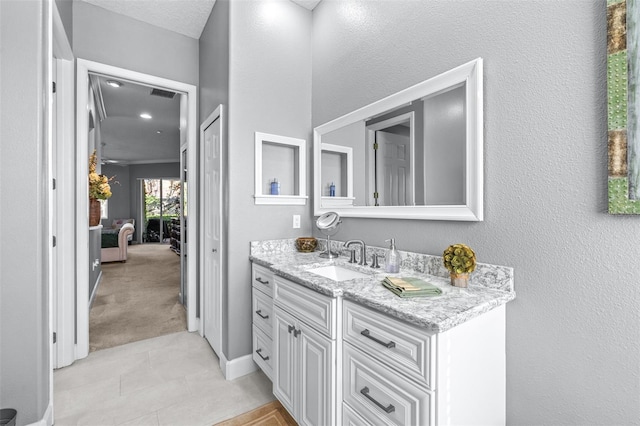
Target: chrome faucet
363,250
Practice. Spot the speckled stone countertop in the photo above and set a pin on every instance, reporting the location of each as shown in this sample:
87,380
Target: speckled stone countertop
489,287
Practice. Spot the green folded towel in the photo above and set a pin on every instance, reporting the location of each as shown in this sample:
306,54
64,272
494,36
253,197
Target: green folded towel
410,287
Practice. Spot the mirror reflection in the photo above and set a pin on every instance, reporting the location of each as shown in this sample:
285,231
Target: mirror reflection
418,148
393,167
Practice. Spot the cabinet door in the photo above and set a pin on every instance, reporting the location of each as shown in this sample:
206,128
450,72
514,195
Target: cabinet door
284,351
317,377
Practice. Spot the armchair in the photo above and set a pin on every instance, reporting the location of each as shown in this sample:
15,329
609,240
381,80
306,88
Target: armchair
118,254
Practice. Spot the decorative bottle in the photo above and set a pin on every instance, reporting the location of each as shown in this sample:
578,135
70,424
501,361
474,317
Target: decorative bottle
275,187
392,258
332,190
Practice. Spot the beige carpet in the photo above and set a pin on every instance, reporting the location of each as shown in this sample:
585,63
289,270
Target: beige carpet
138,299
271,414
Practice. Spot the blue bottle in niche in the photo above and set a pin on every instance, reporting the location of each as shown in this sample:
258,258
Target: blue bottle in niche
275,187
332,190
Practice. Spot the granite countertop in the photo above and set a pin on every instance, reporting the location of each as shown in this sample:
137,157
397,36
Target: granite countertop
490,286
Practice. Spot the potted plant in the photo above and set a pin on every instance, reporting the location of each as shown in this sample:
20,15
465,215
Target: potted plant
99,189
460,260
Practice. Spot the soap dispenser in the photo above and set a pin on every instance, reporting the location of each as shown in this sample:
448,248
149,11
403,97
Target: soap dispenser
392,258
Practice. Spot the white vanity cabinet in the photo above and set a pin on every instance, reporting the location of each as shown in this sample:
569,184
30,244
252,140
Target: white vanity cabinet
262,309
396,373
334,361
305,353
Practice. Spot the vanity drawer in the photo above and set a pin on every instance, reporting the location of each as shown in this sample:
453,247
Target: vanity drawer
263,312
350,417
402,346
317,310
262,351
262,279
381,396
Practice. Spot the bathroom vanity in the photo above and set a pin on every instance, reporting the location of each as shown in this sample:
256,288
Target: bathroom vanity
345,350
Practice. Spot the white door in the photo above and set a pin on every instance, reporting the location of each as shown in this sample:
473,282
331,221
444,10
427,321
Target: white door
317,384
284,356
53,272
395,168
211,230
390,161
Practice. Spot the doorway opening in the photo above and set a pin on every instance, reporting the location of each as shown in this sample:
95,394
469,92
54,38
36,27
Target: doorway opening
187,144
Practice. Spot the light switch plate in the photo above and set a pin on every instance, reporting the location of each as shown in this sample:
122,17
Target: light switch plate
296,221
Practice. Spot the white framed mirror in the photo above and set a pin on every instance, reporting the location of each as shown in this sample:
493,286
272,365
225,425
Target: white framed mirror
416,154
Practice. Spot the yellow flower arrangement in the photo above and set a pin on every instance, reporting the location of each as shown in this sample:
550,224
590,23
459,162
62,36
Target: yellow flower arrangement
99,187
459,259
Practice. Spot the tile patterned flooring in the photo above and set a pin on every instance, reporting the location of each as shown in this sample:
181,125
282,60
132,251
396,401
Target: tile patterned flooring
168,380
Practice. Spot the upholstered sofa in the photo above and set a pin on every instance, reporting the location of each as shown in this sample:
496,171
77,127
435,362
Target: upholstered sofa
118,223
118,254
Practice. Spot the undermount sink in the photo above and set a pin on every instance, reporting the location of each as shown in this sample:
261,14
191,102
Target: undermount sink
338,273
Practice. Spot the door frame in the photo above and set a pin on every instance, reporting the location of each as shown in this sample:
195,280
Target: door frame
63,294
218,113
84,67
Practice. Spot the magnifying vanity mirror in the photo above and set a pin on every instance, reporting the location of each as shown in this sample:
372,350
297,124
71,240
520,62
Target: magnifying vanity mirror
416,154
328,224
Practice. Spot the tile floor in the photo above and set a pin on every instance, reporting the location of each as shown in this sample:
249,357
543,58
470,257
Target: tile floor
168,380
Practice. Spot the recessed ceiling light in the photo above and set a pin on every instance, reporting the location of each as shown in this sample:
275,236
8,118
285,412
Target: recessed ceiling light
159,131
146,116
114,83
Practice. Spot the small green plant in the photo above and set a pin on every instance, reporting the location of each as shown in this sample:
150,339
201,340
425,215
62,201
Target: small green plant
459,259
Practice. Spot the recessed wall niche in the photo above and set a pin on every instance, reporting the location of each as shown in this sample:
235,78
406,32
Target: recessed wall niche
337,166
280,170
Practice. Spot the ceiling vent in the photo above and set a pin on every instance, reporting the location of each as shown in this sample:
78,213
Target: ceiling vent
163,93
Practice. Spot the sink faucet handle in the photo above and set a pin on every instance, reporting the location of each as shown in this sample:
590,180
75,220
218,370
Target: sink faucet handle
352,253
374,261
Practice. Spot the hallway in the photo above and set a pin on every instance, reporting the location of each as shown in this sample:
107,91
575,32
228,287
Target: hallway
137,299
169,380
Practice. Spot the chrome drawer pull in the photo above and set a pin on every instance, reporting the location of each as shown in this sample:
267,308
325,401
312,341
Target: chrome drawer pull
259,312
389,345
264,358
389,409
262,282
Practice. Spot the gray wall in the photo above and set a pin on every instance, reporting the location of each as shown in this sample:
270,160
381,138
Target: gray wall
444,145
268,91
65,8
214,60
24,303
119,203
214,90
103,36
573,333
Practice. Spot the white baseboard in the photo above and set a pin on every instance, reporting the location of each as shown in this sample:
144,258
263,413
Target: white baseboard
237,367
47,419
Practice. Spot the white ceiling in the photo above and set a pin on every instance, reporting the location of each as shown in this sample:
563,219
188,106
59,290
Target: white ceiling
187,17
129,139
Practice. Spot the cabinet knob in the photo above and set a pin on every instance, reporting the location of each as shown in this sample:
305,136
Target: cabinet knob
291,328
296,333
